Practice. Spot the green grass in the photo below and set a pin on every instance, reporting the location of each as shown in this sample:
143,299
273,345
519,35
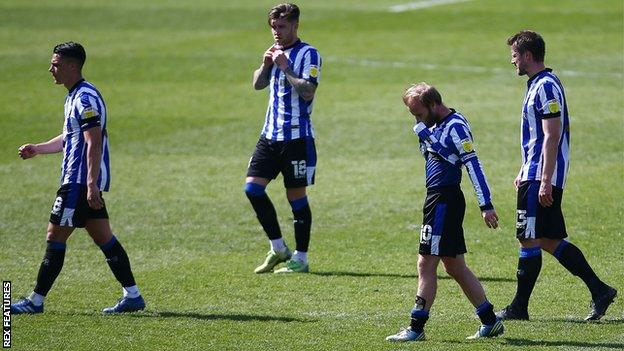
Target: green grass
176,76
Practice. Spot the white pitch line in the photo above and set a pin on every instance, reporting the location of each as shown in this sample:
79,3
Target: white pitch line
417,5
457,68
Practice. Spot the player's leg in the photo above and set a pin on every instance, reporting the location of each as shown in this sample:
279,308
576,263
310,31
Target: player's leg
64,217
471,286
572,258
302,222
263,167
50,268
100,231
427,288
298,167
552,229
440,209
530,254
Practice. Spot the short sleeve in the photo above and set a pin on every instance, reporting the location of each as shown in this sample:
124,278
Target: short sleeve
311,70
548,101
88,112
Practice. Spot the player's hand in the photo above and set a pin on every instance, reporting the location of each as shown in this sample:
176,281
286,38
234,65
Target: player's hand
517,181
490,218
280,59
27,151
545,194
93,197
267,59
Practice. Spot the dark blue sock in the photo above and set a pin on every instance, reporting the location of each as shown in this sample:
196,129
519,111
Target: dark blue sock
50,267
572,258
265,212
302,220
118,261
485,311
419,315
529,267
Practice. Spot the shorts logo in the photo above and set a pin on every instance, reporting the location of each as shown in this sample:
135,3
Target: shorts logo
58,205
314,71
467,145
553,106
521,220
425,234
299,169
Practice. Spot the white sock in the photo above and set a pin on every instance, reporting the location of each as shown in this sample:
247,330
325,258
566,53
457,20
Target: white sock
36,299
131,291
278,245
300,256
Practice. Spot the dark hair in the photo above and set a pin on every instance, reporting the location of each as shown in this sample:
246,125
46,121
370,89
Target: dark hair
528,40
73,51
289,12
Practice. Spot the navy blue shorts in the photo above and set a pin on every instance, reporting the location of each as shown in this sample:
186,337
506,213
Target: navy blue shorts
71,208
295,159
442,233
533,221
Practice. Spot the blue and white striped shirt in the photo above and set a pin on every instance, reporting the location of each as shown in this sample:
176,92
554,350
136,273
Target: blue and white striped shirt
288,115
446,146
544,99
84,109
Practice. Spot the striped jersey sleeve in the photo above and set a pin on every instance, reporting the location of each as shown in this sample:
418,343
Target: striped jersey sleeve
88,111
548,101
311,66
462,142
456,147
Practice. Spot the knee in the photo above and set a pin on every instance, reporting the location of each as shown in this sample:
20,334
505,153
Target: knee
254,189
50,236
452,270
426,266
550,245
56,237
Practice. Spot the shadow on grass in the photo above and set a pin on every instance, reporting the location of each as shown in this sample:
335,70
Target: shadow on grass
217,316
580,320
528,342
397,275
195,315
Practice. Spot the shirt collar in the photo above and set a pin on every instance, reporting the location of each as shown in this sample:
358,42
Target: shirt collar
537,75
292,45
76,85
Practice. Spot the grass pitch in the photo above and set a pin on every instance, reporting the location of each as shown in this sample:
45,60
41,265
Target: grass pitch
183,121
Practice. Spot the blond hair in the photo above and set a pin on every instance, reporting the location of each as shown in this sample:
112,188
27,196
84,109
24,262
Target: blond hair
423,92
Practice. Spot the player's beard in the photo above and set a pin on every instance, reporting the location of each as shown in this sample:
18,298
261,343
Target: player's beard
521,71
430,119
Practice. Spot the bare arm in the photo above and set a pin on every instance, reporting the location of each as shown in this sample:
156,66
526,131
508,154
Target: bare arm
51,146
261,76
552,135
93,138
304,88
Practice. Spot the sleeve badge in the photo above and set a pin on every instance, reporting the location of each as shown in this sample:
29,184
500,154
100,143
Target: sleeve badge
314,71
467,145
89,113
553,106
